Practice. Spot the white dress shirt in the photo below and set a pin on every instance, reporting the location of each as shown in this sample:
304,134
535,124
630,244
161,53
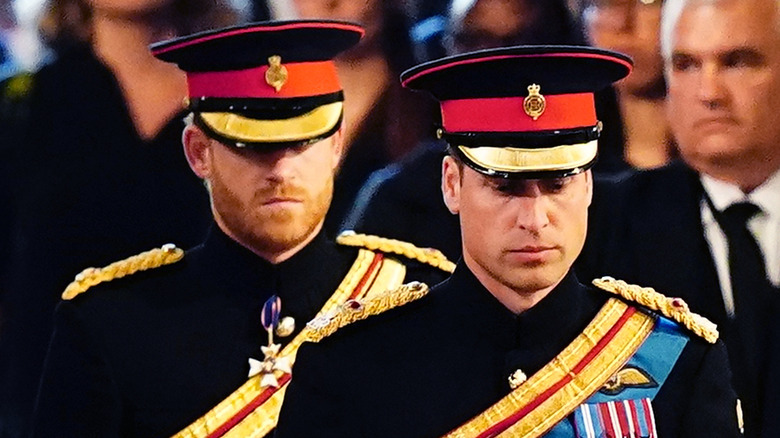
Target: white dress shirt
765,227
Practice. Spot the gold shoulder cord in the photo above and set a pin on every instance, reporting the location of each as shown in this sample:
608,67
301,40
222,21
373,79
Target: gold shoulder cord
429,256
672,308
146,260
356,310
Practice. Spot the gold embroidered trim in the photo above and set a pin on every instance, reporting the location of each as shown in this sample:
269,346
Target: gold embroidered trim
357,310
389,277
146,260
429,256
518,160
304,127
582,385
672,308
262,420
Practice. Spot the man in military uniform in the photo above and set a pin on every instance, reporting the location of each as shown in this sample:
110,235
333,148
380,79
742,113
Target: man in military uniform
512,344
202,344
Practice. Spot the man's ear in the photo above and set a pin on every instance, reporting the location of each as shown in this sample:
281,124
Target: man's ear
451,183
338,147
589,176
197,149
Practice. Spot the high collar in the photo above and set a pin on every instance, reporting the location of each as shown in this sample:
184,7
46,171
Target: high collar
561,306
473,307
533,337
546,329
303,282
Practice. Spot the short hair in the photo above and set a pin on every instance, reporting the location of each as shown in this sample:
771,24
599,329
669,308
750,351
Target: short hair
670,15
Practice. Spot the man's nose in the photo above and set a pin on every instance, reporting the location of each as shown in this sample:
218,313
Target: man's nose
710,86
279,163
533,213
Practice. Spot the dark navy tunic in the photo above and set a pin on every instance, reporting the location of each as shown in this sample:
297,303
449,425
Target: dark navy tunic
425,368
146,355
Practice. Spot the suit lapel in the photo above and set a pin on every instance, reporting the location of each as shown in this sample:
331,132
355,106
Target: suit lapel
671,252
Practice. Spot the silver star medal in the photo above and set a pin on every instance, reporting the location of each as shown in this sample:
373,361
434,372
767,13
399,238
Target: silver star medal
271,362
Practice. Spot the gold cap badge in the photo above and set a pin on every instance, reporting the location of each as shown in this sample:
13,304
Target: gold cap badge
276,75
534,104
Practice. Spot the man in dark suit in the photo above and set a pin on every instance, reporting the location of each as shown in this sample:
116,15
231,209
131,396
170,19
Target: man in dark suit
202,344
677,228
512,344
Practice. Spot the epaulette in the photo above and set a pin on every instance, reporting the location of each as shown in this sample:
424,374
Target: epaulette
146,260
429,256
356,310
672,308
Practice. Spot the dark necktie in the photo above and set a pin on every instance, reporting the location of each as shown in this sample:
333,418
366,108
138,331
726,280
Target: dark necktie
746,263
751,290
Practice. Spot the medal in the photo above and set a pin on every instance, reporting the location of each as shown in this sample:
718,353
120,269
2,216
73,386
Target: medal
271,361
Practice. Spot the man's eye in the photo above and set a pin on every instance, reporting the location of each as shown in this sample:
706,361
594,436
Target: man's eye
683,63
504,187
742,59
556,184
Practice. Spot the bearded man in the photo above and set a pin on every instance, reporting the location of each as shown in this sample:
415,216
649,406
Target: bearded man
202,343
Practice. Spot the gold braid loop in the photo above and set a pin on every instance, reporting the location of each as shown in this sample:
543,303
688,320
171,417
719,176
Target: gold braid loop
429,256
146,260
356,310
672,308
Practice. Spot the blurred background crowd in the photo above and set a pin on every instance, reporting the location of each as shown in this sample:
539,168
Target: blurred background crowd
92,168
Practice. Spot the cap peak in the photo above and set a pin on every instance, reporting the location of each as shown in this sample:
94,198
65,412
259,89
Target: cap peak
523,111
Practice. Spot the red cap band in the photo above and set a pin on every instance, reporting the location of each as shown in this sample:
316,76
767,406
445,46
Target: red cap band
251,83
506,114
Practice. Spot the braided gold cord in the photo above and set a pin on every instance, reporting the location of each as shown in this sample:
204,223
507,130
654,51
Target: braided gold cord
672,308
146,260
429,256
356,310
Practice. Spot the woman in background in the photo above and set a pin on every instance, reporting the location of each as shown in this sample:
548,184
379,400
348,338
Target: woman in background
92,166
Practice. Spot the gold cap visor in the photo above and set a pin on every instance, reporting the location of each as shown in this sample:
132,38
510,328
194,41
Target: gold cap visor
310,125
519,160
